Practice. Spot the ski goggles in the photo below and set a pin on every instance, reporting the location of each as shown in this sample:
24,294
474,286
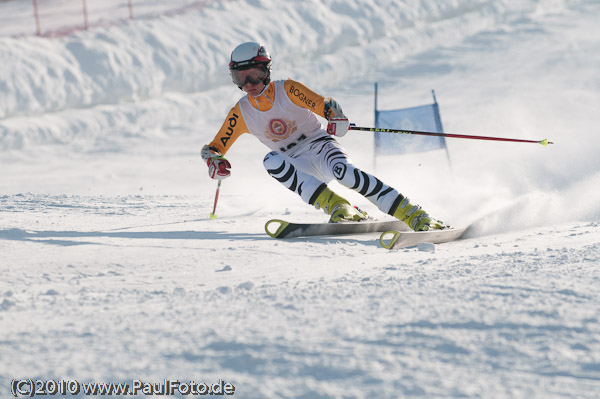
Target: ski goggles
253,75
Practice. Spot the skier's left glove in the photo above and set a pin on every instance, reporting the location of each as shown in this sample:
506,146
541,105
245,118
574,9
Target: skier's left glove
338,122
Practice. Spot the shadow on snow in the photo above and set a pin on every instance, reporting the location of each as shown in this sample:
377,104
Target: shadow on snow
60,237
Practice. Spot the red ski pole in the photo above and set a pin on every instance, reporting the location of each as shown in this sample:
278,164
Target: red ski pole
544,142
212,214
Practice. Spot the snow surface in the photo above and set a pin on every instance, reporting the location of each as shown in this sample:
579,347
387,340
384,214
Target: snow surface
112,270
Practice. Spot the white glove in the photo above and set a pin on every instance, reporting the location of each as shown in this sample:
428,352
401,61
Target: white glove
338,122
338,126
218,168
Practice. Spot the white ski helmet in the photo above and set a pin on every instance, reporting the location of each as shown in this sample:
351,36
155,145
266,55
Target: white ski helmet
250,55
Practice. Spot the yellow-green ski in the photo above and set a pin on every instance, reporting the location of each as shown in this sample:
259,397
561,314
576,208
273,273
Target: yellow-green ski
401,239
278,228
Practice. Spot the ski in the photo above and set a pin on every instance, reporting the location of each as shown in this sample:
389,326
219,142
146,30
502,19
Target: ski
278,228
402,239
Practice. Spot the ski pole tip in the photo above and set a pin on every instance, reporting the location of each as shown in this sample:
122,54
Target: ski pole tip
545,142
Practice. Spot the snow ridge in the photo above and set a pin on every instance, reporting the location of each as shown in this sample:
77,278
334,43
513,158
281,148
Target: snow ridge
130,63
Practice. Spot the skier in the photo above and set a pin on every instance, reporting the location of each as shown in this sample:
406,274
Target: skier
305,156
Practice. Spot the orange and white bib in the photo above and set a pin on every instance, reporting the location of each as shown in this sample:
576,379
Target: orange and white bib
282,127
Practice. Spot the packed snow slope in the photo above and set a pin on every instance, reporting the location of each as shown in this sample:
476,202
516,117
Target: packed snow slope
111,269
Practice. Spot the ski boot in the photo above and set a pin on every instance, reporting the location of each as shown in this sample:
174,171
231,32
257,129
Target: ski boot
339,208
415,217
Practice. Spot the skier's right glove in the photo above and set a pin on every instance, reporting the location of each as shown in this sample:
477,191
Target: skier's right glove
218,167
